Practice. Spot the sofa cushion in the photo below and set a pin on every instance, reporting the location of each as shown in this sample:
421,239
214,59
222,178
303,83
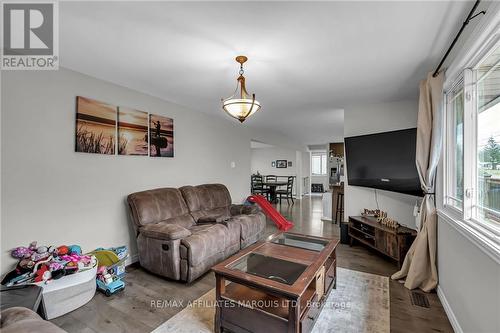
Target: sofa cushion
162,230
207,200
251,224
244,209
213,219
159,205
234,234
205,241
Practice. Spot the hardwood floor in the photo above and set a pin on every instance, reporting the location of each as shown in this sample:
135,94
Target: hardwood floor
133,309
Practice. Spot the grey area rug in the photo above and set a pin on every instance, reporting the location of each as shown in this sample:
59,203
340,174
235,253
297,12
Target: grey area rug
361,303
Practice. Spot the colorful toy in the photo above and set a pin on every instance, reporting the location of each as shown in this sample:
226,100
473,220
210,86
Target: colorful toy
55,266
105,257
26,263
71,267
41,264
19,279
107,283
43,274
281,222
42,249
62,250
41,269
101,270
75,249
75,258
21,252
39,256
110,288
113,258
121,252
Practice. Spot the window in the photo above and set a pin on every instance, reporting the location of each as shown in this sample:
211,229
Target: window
318,164
487,173
472,149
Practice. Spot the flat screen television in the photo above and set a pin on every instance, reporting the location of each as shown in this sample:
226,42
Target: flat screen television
384,161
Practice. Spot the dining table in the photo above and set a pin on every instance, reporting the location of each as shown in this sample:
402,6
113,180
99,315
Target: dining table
272,185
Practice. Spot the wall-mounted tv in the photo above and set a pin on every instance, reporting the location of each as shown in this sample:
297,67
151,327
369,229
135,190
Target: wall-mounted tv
384,161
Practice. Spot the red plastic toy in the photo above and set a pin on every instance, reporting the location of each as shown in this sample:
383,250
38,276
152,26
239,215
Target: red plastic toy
282,223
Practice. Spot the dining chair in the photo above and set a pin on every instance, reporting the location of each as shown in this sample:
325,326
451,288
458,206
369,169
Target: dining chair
271,178
257,187
288,192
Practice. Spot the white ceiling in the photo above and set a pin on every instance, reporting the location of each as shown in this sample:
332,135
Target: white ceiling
259,145
307,61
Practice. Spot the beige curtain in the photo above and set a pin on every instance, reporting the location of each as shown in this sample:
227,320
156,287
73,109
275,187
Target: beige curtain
419,266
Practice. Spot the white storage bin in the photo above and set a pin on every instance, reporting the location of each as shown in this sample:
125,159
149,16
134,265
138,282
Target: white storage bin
68,293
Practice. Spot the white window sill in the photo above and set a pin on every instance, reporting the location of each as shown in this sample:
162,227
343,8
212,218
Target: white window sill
484,238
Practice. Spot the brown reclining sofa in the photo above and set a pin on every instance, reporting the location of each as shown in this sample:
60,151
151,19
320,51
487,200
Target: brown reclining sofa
182,233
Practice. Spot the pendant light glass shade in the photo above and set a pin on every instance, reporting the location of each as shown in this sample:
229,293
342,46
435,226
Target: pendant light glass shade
241,104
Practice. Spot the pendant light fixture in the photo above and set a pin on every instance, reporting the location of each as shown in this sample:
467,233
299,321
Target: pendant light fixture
241,104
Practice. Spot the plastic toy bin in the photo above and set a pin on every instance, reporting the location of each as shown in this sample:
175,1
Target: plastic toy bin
68,293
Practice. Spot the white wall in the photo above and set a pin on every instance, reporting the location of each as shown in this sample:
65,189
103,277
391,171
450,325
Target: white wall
300,173
261,159
469,282
375,118
306,172
56,196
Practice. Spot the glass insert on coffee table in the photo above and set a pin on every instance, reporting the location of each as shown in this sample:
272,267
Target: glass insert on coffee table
279,270
302,241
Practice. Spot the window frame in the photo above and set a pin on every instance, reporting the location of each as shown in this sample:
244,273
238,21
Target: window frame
449,154
485,234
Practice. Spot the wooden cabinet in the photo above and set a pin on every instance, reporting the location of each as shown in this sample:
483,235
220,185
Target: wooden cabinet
337,149
392,242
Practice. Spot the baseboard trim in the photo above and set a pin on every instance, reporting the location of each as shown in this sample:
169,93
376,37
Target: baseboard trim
132,259
449,312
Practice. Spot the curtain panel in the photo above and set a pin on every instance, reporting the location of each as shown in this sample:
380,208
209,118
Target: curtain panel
419,267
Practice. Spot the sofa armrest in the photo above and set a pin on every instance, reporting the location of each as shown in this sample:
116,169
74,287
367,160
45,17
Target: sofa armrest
22,320
165,231
244,209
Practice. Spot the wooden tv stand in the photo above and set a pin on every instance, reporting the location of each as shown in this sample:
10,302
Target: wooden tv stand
392,242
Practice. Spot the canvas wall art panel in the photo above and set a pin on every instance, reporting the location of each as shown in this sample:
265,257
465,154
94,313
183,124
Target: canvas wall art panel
132,132
95,126
161,136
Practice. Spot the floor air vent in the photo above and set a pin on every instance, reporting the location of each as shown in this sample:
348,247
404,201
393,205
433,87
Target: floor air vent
419,299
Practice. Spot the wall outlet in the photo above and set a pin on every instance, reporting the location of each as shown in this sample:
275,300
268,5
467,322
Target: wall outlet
233,165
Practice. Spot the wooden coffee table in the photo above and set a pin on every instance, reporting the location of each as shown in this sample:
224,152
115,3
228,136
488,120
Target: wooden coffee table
279,285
